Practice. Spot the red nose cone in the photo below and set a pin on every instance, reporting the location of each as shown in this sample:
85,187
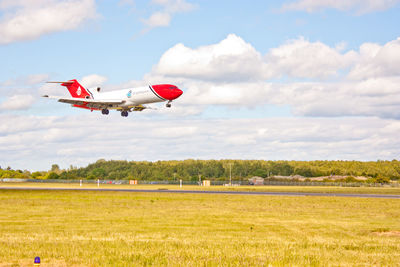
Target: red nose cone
167,91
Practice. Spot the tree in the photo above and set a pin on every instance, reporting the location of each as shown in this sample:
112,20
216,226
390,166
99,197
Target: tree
303,171
36,175
261,173
55,168
351,179
219,169
99,173
53,176
382,180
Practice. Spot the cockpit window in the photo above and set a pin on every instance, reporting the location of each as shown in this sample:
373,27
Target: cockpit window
172,87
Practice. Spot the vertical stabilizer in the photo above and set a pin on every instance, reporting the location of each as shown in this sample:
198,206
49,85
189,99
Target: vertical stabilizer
75,89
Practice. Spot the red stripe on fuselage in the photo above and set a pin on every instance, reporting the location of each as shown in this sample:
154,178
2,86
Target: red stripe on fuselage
85,107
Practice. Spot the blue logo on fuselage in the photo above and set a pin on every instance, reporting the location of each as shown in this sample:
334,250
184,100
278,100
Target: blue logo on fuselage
129,94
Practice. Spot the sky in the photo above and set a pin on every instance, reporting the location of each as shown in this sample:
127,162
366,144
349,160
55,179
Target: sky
269,80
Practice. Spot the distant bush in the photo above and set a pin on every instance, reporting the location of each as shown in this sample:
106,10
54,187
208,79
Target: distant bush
53,175
382,180
261,173
12,174
351,179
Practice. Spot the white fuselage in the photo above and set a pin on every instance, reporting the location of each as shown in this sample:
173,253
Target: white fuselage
132,96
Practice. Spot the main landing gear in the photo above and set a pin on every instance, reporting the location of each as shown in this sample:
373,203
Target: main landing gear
124,113
105,111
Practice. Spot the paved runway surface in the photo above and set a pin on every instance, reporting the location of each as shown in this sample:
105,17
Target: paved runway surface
209,192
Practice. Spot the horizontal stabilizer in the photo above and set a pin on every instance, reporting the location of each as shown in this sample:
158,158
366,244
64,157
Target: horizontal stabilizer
69,82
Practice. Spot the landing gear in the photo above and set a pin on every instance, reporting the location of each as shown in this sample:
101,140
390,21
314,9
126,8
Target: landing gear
124,113
168,105
105,111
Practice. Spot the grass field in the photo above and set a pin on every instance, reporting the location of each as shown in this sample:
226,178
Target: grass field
309,189
73,228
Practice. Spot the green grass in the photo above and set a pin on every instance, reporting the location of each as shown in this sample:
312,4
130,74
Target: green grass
149,229
309,189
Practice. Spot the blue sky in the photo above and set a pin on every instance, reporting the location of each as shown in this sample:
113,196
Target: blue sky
295,79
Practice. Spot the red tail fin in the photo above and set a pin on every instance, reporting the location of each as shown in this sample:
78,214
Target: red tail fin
76,90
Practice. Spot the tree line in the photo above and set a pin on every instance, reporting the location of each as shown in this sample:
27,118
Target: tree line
190,170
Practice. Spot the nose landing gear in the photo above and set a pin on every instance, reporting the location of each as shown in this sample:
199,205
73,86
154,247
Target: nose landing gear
168,105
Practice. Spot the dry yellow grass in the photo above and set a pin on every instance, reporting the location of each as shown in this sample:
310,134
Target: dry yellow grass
149,229
309,189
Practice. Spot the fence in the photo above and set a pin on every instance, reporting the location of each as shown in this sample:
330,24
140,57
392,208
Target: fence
215,182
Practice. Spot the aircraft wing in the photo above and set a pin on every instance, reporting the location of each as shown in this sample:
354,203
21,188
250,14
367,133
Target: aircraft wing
81,101
96,103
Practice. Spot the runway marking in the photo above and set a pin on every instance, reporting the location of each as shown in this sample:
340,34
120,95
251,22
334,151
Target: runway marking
209,192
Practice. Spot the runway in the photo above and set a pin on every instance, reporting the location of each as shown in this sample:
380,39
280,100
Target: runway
295,194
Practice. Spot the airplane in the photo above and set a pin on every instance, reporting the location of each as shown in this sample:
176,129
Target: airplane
125,100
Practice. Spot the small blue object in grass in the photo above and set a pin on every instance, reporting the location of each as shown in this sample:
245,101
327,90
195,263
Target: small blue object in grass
37,261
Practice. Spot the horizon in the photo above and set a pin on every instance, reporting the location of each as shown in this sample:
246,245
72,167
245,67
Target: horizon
71,166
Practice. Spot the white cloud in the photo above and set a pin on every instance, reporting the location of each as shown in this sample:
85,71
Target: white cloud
175,132
162,18
158,19
233,73
27,20
304,59
77,139
17,102
92,80
358,6
231,59
234,59
21,92
23,81
377,61
228,94
372,97
35,79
